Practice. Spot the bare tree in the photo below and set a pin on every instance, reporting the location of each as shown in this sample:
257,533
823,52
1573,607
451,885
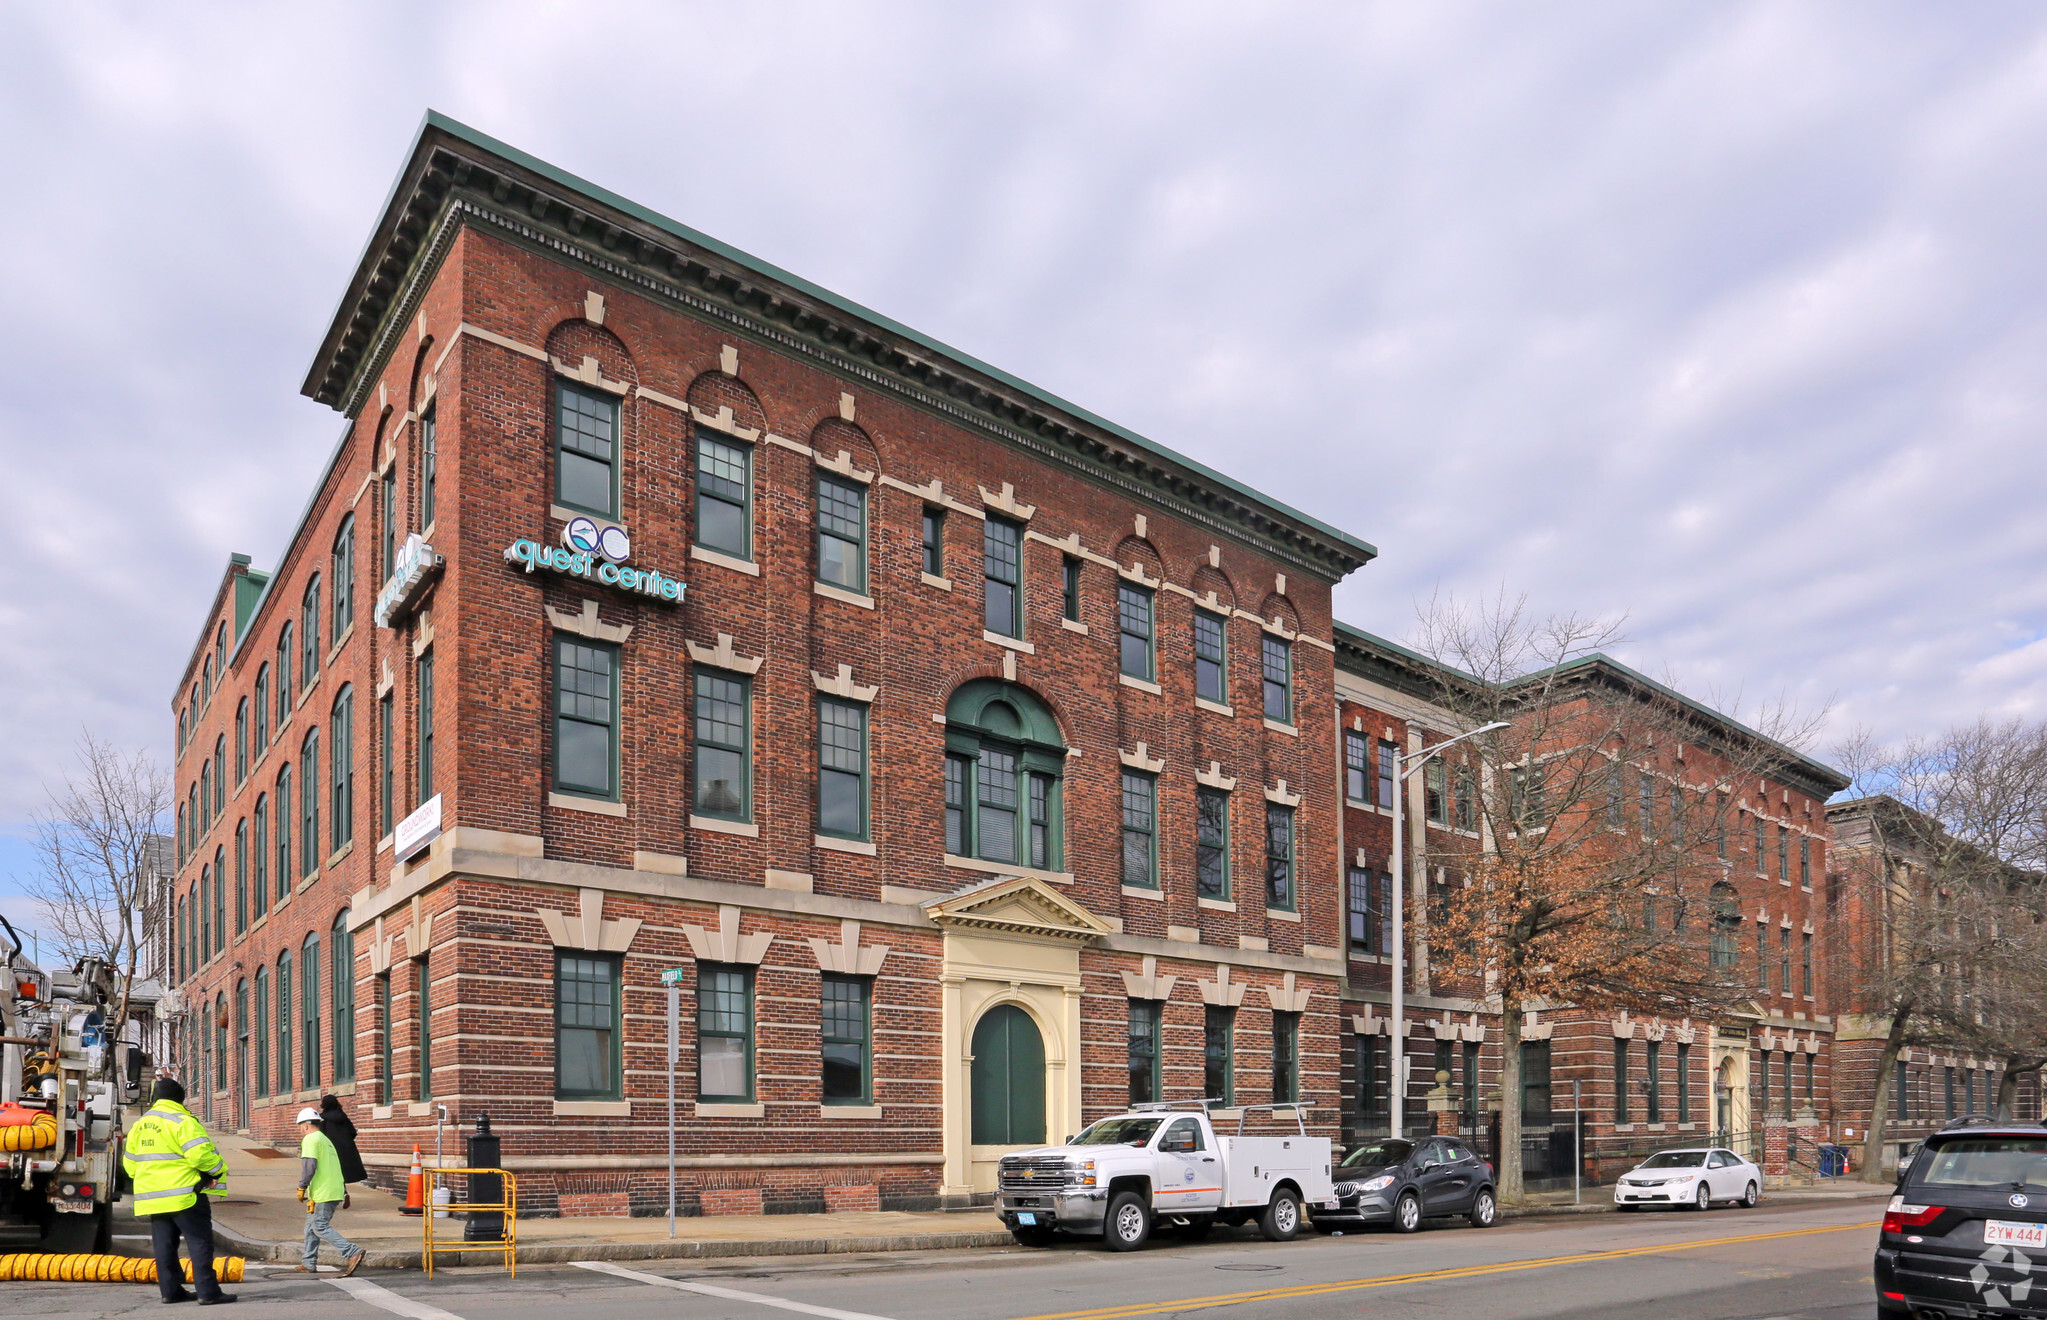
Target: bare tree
1598,881
97,840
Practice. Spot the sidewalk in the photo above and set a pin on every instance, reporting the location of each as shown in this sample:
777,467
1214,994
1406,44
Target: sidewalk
261,1218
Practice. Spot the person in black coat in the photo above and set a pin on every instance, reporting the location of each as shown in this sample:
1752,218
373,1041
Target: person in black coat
335,1123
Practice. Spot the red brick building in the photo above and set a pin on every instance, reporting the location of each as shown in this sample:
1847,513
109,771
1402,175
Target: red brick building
964,755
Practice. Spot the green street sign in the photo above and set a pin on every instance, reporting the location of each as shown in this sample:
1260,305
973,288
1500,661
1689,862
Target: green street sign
672,975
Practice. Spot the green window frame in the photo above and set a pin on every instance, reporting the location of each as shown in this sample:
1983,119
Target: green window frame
241,877
1805,861
241,741
341,566
220,900
586,718
259,855
1286,1057
285,860
724,495
1134,630
309,633
1763,956
1762,854
260,708
284,1054
309,804
1211,658
585,453
1805,962
1279,857
1003,773
1784,960
846,1061
341,769
1002,569
841,533
1140,830
587,1065
309,1009
385,1051
1211,843
205,913
1218,1054
387,800
423,1029
1652,1067
724,1033
1387,752
1357,767
423,750
342,964
1146,1019
261,1035
387,513
842,799
722,761
1784,853
1471,1085
1435,793
1684,1083
286,649
934,541
429,466
1069,593
1277,665
1620,1080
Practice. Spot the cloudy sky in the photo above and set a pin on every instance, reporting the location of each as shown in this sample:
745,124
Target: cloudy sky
1726,317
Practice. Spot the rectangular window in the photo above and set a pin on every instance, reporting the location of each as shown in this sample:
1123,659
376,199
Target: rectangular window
995,806
956,805
1434,793
1805,861
284,1055
1286,1057
1805,961
1144,1051
342,779
309,805
1784,854
841,533
1134,630
261,1037
1763,957
1646,791
1809,1059
724,495
1620,1080
387,507
1140,821
259,856
242,878
429,464
848,1060
1211,843
1763,1080
1041,822
723,745
585,718
285,870
1684,1083
934,541
1357,766
343,976
585,453
1387,752
384,1049
309,1012
1467,799
1784,959
586,1027
1002,566
841,769
1470,1090
1278,668
1762,856
423,1029
1218,1073
1364,919
724,1033
1617,795
1069,596
425,768
1211,674
1948,1089
1652,1063
387,721
1373,1099
1279,857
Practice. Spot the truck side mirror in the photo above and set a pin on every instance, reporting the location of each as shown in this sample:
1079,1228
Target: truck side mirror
1069,1138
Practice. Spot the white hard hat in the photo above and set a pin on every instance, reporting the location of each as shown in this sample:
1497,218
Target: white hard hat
308,1115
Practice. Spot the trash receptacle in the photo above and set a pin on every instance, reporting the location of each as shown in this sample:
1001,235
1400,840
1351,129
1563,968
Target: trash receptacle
484,1225
1833,1160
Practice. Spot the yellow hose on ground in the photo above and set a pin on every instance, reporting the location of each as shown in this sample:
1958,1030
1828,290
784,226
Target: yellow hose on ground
103,1269
30,1136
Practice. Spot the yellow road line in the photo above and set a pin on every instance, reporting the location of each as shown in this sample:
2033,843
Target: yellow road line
1460,1272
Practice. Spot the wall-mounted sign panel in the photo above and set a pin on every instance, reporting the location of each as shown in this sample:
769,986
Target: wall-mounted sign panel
417,831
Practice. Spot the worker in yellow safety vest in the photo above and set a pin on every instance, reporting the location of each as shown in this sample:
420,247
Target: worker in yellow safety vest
175,1167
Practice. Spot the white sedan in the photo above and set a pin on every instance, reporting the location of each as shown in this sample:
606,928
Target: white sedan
1696,1177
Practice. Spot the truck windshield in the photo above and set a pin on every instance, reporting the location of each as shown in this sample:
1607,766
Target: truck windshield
1119,1132
1378,1154
1989,1162
1674,1159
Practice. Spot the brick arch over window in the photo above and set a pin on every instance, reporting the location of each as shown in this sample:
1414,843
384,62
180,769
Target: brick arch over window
714,390
1276,608
833,435
1210,579
1136,550
575,339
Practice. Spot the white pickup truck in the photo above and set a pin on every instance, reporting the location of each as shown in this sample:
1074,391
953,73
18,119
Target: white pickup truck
1155,1164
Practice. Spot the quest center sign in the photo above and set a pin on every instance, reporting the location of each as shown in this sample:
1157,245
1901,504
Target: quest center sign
595,553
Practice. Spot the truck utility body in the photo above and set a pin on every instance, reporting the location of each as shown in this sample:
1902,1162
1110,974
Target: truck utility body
1164,1164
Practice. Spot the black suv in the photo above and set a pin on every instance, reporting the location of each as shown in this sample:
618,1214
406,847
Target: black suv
1403,1182
1966,1235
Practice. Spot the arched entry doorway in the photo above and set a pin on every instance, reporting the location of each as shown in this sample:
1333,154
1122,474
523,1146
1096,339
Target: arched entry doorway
1008,1084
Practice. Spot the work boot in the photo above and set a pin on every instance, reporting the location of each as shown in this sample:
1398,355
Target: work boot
218,1299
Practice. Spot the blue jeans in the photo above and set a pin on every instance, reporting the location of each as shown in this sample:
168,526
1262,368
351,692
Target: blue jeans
320,1228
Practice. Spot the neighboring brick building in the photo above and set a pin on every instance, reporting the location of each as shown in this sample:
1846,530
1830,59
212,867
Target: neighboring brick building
976,784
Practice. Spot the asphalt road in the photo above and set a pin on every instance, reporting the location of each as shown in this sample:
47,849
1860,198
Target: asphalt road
1801,1259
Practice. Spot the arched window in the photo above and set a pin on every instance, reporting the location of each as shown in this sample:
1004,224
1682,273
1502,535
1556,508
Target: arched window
285,651
219,898
184,729
342,573
241,740
242,875
309,802
192,810
219,776
1726,941
284,1022
206,678
342,953
262,708
309,633
341,767
241,1052
1004,758
280,814
205,915
259,854
220,654
178,939
181,834
309,1009
206,791
220,1042
196,700
262,1031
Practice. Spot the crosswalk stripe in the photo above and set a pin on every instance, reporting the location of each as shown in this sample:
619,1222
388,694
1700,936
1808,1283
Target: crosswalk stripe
729,1294
386,1300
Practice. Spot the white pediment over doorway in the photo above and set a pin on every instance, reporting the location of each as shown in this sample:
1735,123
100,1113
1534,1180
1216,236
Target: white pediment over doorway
1018,905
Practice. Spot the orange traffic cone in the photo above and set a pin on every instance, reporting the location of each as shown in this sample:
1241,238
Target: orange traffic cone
415,1188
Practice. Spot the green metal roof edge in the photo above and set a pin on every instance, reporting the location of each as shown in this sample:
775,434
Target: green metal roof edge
455,128
1406,653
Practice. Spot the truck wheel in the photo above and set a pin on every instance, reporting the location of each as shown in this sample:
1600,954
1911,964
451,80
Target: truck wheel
1128,1223
1032,1237
1407,1214
1281,1221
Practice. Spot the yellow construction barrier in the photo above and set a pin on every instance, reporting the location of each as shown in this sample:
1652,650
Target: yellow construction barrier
509,1207
30,1136
102,1269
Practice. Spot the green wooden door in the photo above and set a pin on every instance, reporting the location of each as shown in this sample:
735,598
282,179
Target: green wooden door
1008,1092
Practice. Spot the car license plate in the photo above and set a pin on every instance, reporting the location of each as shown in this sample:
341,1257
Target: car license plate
2003,1233
1027,1218
1332,1204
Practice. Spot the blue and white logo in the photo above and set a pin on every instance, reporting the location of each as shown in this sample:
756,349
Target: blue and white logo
585,535
2019,1202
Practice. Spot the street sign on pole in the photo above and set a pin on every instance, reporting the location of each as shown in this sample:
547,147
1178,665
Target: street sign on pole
670,978
673,975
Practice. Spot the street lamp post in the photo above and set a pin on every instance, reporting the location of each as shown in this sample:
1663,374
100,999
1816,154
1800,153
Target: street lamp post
1403,766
